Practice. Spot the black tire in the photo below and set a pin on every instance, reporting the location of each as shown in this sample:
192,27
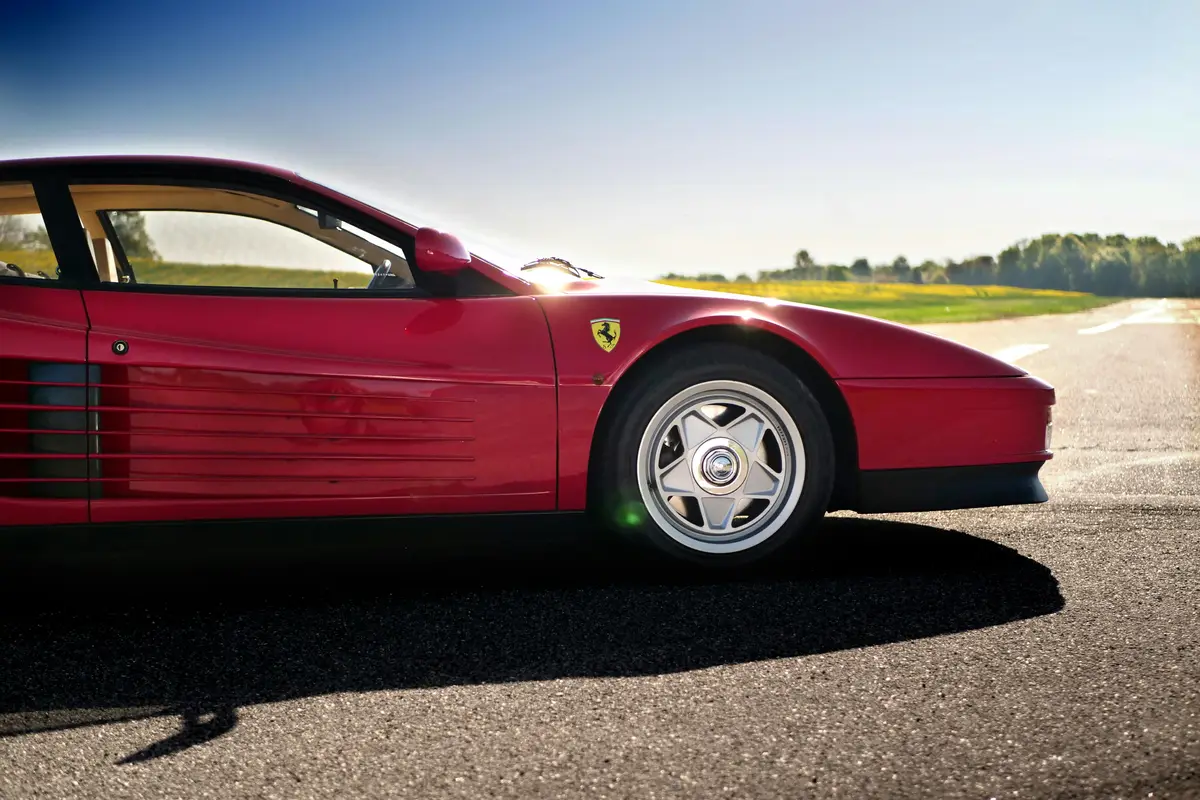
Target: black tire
620,503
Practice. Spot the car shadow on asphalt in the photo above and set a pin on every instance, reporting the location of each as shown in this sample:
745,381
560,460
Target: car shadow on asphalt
87,648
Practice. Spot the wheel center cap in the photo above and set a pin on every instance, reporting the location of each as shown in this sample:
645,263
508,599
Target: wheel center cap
719,466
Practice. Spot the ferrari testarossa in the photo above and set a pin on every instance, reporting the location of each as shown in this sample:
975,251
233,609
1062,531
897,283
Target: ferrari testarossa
405,377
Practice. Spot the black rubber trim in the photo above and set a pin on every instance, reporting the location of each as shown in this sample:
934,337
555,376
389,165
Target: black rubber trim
947,488
67,236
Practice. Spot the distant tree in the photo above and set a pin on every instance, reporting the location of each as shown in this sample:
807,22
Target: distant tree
860,268
12,231
1008,268
901,269
743,278
1073,252
1113,275
131,230
927,272
36,239
837,272
976,271
1191,262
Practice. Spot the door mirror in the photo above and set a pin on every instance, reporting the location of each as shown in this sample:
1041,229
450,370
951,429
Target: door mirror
440,252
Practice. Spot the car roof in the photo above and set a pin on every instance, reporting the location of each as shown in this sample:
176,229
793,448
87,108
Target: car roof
50,162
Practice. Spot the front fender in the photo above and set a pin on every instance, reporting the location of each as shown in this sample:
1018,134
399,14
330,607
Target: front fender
845,345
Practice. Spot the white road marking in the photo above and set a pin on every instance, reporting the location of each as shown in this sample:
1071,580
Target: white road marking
1011,354
1145,315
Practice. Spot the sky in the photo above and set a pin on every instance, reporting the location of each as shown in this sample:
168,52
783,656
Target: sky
642,136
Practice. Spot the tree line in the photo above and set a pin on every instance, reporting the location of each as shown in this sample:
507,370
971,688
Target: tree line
1110,266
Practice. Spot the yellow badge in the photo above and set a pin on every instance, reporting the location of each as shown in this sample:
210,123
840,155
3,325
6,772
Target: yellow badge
606,333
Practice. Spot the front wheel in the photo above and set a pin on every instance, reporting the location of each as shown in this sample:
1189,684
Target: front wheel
718,456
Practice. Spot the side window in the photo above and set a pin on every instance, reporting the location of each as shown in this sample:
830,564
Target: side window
25,250
188,236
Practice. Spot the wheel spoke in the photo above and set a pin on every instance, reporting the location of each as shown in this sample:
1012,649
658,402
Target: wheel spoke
677,479
718,512
694,428
747,431
760,482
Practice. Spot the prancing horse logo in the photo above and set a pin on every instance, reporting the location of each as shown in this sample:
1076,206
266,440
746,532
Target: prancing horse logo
607,332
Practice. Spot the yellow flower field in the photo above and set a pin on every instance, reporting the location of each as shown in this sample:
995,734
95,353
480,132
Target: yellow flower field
914,303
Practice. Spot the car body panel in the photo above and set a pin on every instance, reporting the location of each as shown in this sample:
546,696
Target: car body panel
845,344
250,406
948,422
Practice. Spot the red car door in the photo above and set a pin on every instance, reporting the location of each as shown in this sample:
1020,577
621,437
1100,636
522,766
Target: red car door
239,407
43,380
258,358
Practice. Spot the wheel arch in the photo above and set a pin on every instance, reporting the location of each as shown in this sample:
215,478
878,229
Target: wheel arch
794,357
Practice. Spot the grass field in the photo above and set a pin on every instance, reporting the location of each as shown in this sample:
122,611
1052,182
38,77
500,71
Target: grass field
913,303
176,274
900,302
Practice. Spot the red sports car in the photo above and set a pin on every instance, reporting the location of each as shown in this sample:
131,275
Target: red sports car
293,353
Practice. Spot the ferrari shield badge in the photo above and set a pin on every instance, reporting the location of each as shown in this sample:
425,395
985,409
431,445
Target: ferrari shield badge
607,332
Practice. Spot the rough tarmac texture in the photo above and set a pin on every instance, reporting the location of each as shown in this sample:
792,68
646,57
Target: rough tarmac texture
1044,651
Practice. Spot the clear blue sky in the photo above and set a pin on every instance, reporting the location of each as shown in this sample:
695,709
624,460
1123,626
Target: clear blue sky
642,136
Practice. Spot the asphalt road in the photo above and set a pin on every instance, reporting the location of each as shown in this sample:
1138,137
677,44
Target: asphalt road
1044,651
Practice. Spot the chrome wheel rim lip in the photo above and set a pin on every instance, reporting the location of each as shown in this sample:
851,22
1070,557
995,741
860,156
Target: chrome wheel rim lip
655,493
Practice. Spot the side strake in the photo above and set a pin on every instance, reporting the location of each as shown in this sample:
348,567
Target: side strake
44,406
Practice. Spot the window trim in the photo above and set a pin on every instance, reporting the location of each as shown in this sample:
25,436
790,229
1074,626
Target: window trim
43,283
259,291
104,212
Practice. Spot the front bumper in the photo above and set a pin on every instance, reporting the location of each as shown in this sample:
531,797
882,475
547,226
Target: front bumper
944,488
